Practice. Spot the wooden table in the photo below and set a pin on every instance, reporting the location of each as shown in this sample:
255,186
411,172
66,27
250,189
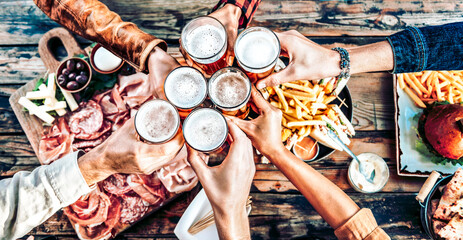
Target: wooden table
279,210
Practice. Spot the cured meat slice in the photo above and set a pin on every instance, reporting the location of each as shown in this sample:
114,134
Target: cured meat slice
56,142
85,122
89,144
133,208
90,209
148,187
452,193
103,230
115,95
108,106
116,184
178,176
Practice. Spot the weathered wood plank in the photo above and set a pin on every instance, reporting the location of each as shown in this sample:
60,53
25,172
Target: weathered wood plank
276,216
24,23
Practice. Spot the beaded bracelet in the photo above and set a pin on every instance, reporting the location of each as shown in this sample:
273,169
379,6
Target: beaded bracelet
345,62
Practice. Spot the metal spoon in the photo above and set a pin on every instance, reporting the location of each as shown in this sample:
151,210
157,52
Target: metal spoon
369,176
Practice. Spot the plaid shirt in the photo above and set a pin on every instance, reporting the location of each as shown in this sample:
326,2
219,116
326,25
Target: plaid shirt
248,7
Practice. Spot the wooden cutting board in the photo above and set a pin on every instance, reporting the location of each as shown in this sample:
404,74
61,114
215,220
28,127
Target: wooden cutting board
30,124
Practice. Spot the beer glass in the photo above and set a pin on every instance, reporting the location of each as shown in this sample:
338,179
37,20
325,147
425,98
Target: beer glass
157,121
204,44
230,89
205,130
186,88
257,50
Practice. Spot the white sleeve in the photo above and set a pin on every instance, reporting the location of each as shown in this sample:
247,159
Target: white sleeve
29,198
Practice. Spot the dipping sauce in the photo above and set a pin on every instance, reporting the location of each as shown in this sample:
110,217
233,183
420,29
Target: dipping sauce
105,60
358,181
307,149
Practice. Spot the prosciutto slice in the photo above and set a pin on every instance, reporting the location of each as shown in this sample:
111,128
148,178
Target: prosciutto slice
103,230
91,209
148,187
56,142
178,175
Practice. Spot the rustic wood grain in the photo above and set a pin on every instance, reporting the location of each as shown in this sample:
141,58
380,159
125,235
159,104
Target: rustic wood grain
23,23
275,216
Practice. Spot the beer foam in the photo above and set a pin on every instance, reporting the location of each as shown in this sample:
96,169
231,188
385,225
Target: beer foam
229,89
157,121
257,49
205,41
185,87
205,129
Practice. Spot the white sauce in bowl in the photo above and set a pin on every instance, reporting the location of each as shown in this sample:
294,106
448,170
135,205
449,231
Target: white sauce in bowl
105,60
358,181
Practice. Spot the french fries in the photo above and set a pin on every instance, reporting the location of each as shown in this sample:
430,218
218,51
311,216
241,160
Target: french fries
304,104
428,87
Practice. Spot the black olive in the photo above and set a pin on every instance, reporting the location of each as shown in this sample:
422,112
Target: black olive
62,80
84,73
72,76
65,71
72,85
80,66
70,64
82,79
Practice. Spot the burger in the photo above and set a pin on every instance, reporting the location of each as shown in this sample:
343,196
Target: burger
440,128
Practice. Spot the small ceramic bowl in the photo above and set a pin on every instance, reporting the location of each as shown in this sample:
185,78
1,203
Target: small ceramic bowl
86,68
92,61
317,150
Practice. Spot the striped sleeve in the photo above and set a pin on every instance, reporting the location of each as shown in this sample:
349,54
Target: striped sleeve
248,8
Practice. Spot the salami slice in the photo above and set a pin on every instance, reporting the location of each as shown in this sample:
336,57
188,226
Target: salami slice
85,144
56,142
86,121
116,184
90,209
133,208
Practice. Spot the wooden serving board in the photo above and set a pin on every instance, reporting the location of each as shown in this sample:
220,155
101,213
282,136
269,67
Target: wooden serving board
30,124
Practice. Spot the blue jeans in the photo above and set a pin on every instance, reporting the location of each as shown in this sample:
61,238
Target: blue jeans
428,48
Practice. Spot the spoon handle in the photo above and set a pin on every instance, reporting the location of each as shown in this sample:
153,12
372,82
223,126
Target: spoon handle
338,141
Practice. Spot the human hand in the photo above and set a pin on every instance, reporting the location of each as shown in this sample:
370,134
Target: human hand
229,15
122,152
265,130
307,60
160,64
227,186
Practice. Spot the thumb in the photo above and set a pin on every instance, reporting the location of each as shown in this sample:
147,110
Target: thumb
197,162
245,126
285,75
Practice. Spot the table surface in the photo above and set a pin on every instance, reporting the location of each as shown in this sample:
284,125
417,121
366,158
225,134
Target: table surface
279,210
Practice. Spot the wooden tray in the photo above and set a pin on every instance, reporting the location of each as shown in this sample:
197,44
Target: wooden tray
30,124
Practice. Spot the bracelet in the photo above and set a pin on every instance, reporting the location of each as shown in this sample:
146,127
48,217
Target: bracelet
345,62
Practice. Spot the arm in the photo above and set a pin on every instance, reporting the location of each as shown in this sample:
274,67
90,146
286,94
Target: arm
410,50
29,198
338,210
227,186
92,20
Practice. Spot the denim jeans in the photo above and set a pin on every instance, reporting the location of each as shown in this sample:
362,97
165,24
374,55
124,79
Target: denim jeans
428,48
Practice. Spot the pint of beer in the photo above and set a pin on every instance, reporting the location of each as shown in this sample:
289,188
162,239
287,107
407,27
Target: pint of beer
205,129
204,43
230,89
157,121
257,50
186,88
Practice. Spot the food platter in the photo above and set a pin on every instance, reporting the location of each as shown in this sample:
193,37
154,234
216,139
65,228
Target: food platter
411,162
347,109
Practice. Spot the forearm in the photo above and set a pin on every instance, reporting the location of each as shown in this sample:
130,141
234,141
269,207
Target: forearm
29,198
232,225
371,58
327,199
92,20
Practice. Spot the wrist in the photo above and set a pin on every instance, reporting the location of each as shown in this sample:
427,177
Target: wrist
93,166
232,224
275,153
233,10
333,62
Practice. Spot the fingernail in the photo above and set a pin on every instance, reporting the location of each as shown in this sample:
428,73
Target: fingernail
260,85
